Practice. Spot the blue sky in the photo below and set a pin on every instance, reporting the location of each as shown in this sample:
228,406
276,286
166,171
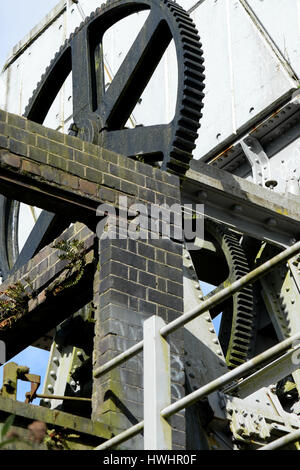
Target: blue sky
17,18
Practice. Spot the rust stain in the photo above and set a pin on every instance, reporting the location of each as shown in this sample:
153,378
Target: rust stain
220,155
273,115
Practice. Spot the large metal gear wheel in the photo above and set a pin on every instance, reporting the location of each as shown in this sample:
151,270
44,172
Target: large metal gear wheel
100,116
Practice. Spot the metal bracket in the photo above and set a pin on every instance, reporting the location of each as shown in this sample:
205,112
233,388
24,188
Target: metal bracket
258,160
252,422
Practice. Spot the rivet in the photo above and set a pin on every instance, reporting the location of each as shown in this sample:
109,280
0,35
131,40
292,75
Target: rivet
271,184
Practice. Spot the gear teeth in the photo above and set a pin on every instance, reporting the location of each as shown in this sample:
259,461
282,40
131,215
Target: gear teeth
183,19
186,133
243,317
192,100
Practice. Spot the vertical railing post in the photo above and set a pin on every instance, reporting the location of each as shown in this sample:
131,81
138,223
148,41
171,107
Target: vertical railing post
157,386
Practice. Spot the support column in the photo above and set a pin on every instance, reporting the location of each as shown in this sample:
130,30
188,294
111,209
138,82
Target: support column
136,279
157,386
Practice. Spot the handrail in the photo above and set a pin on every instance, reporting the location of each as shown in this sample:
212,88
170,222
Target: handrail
232,289
228,377
282,441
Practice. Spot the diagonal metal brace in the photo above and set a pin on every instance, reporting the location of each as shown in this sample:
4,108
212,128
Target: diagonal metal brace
258,160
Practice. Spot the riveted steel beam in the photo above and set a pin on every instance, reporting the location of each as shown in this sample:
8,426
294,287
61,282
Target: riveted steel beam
242,205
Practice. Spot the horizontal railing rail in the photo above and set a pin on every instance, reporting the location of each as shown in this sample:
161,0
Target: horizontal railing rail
239,372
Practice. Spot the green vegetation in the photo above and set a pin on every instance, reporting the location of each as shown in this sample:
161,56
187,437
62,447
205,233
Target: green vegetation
74,252
14,303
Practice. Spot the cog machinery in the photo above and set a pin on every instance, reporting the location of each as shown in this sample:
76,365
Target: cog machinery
100,115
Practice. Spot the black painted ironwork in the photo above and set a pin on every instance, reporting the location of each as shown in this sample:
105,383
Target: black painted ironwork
100,116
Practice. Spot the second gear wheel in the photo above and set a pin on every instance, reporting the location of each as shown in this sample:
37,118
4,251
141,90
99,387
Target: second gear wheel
237,324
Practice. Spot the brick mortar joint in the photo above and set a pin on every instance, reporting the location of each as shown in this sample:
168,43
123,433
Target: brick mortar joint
36,131
39,171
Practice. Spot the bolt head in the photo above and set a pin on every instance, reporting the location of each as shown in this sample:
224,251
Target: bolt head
271,184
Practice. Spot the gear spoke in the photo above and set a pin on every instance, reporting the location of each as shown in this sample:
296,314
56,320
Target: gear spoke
95,111
82,75
49,86
136,71
135,142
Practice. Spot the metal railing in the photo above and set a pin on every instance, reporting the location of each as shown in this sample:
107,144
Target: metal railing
157,397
